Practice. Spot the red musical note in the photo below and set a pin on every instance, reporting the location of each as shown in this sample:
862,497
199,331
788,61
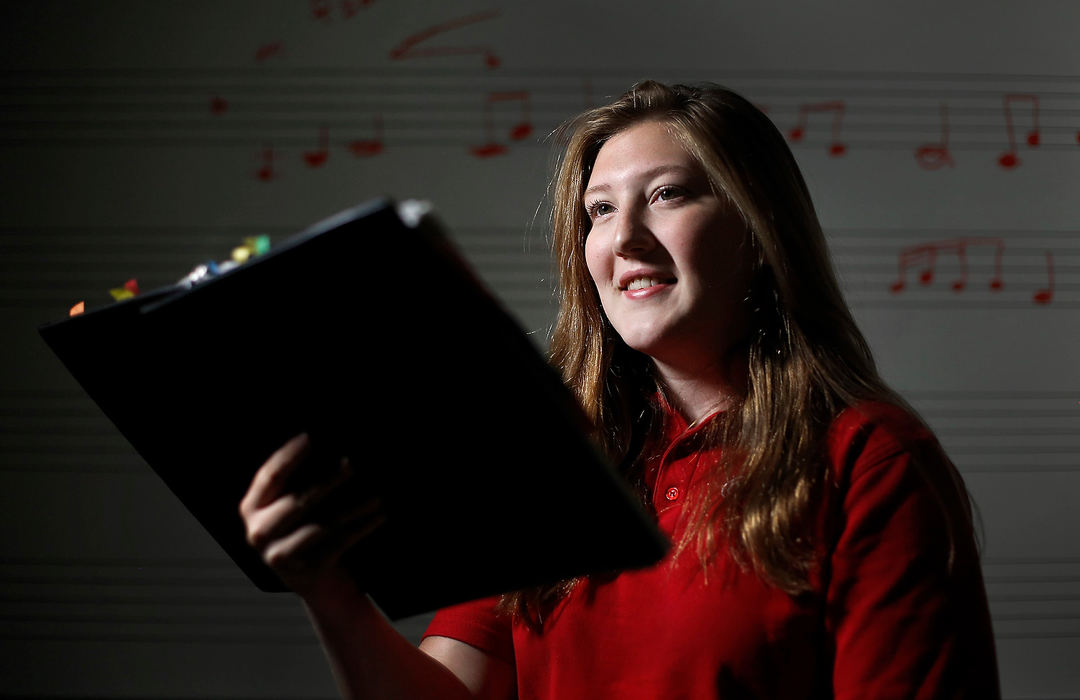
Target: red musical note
932,156
320,9
911,256
927,254
351,7
363,148
218,105
520,131
318,157
407,48
960,284
836,148
1046,295
267,50
266,169
1009,159
488,150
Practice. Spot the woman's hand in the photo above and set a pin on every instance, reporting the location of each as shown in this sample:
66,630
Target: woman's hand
302,532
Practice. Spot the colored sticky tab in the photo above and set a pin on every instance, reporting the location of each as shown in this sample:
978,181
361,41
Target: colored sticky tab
254,246
77,309
130,289
258,244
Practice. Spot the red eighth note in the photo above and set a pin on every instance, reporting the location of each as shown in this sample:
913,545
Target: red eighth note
1009,159
363,148
266,51
266,168
931,156
351,7
836,146
408,46
519,132
1046,295
320,9
318,157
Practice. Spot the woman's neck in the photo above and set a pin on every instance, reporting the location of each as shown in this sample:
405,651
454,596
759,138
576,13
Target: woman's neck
704,390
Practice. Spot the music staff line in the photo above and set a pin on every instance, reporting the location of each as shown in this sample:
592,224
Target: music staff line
1040,433
144,598
622,76
998,269
521,284
78,424
426,117
433,80
272,105
458,117
571,88
155,621
179,572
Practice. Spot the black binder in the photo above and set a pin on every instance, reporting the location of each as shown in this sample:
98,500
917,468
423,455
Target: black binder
372,335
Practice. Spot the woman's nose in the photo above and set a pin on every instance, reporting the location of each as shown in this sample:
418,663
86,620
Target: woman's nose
632,235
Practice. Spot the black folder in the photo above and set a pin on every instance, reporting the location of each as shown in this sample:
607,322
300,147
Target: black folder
370,333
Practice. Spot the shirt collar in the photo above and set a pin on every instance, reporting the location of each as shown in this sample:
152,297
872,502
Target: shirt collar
675,425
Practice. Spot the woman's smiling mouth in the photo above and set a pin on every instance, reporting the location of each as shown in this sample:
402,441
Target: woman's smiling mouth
635,281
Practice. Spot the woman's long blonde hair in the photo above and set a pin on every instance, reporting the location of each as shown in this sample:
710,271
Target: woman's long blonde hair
807,358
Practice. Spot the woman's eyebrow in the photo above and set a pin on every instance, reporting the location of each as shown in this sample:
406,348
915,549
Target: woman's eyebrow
645,175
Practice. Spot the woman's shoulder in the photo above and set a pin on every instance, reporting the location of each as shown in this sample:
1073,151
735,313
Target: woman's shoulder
890,480
871,434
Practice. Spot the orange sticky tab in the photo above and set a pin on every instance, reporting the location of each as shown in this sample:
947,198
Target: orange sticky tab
77,309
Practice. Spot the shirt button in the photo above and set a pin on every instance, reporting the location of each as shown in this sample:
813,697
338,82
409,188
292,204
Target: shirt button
672,493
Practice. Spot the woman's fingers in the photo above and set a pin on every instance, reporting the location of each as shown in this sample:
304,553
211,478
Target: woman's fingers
269,482
275,519
302,533
315,547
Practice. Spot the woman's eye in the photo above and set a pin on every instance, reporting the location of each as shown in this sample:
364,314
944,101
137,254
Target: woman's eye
665,194
598,209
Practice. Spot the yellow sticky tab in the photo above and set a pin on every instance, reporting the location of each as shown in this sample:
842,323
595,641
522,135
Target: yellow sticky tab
121,293
241,254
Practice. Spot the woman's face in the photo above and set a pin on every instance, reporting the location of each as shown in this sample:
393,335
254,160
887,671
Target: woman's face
672,263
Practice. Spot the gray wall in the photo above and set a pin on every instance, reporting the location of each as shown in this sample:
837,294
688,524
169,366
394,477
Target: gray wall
132,135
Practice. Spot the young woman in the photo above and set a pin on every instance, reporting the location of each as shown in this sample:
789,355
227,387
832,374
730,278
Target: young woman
823,541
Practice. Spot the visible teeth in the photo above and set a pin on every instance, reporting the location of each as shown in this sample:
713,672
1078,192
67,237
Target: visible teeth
642,283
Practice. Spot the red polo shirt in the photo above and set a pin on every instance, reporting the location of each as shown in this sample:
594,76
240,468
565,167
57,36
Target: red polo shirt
885,619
